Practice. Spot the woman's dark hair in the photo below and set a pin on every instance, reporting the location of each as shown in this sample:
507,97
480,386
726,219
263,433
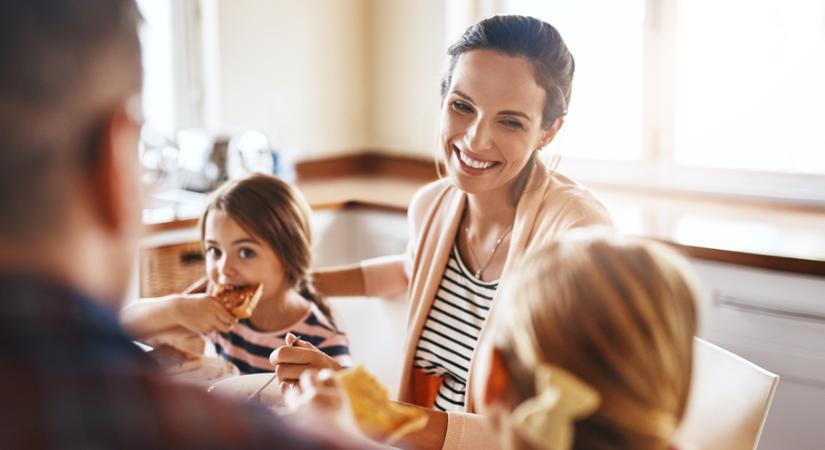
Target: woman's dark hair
277,213
539,42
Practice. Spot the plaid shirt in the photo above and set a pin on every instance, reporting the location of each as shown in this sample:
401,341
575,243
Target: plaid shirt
71,379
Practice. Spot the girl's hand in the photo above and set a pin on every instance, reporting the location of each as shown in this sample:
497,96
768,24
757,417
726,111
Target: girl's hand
201,313
292,360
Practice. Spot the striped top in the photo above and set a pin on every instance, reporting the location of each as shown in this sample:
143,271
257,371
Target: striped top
450,334
248,348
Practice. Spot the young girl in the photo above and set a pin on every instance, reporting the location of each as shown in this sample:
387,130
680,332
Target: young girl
592,348
254,231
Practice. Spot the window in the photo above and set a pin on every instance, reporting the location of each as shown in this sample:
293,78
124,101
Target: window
156,38
172,47
699,95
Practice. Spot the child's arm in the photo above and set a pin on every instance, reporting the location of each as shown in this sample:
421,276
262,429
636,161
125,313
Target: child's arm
196,312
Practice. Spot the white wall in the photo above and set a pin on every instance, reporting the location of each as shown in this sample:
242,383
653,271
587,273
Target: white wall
295,70
407,50
332,77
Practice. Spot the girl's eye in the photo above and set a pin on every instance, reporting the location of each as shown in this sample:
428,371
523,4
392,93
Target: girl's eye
461,107
246,253
214,252
514,124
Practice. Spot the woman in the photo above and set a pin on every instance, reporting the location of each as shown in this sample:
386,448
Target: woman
504,98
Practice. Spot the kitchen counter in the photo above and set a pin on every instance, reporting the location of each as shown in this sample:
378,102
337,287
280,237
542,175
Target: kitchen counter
789,239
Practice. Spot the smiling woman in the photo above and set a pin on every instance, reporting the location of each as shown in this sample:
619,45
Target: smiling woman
504,98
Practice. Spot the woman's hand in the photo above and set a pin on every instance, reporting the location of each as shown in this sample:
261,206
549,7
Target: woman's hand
322,407
290,361
201,313
320,393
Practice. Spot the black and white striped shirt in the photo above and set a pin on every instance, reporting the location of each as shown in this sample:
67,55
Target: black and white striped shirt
451,331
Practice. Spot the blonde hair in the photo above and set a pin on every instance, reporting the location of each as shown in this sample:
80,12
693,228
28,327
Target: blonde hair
620,314
276,212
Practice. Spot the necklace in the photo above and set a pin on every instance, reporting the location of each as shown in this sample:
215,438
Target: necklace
492,252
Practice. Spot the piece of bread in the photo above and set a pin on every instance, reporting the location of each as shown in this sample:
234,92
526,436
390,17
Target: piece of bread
175,360
377,416
241,301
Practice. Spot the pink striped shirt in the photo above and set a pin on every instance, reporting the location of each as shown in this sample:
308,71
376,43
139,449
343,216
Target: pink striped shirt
248,348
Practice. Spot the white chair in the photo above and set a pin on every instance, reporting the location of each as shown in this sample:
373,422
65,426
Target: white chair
729,401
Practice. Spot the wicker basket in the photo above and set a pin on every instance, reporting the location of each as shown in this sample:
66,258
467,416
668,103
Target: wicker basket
170,269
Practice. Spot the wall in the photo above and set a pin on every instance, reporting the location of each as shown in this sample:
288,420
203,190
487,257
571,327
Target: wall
407,50
296,71
328,77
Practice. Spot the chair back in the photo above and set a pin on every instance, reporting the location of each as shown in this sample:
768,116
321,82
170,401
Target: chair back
729,401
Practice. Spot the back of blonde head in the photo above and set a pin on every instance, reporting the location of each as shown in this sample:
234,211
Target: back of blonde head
620,315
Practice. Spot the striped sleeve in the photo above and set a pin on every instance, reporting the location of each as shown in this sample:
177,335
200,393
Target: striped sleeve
319,331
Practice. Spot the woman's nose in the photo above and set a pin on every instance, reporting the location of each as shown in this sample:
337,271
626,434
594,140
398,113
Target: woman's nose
478,136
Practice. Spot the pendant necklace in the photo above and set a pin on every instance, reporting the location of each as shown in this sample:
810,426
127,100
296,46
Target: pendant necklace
492,252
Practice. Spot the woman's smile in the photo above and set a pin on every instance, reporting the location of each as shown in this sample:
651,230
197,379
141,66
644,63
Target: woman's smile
472,165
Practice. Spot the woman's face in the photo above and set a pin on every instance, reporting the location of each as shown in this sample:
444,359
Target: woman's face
491,120
235,258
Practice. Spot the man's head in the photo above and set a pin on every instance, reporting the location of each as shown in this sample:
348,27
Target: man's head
70,77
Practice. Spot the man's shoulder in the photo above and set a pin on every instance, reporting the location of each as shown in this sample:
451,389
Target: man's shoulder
139,409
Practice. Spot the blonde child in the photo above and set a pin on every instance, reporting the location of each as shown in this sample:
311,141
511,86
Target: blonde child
254,230
593,348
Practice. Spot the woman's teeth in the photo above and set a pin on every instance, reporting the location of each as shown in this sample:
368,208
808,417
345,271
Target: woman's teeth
474,163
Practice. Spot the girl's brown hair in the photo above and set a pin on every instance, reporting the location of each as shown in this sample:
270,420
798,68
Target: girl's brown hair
619,314
277,213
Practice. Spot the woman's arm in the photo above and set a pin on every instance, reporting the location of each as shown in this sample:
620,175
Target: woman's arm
339,281
431,437
377,277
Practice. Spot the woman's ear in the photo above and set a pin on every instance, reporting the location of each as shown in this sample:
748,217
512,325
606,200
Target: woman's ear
495,390
549,133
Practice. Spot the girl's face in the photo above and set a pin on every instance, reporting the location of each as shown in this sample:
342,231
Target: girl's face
235,258
491,120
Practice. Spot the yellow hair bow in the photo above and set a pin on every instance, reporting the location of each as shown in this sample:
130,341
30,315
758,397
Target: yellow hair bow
546,419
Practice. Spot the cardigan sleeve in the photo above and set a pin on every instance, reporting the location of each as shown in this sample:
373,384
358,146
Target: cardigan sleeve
470,432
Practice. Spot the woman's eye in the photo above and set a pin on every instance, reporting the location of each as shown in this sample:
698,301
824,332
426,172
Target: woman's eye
514,124
214,252
246,253
462,107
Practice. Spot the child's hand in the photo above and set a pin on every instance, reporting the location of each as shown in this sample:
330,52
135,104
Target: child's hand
202,313
291,360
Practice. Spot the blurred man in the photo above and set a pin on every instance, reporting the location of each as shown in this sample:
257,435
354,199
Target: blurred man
70,79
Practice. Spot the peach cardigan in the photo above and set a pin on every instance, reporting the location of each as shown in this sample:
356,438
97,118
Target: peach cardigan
550,205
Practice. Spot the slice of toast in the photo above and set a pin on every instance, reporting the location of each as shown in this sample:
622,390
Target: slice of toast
240,302
378,417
